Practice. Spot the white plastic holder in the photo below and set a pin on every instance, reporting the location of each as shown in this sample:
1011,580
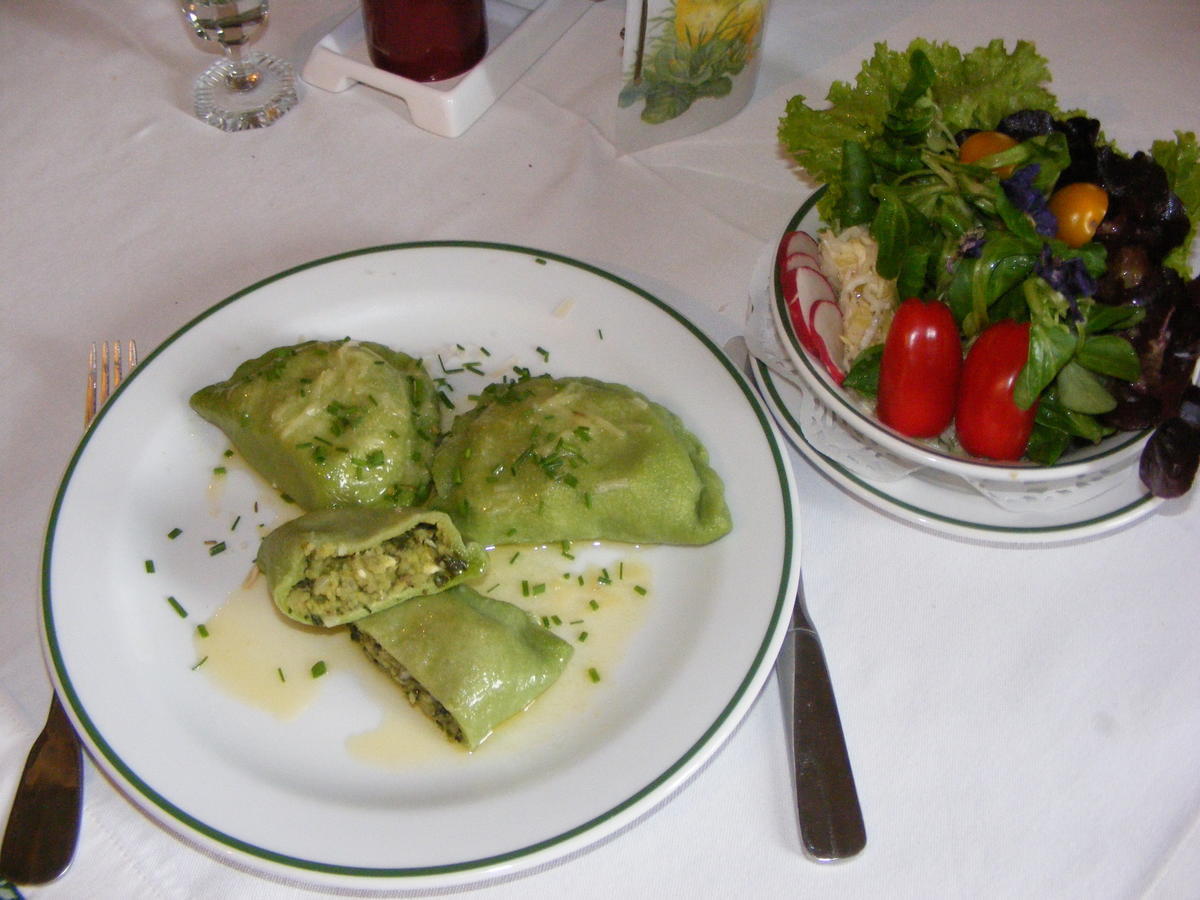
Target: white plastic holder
519,33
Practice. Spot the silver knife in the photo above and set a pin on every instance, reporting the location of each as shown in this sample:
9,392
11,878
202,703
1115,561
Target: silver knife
831,820
827,805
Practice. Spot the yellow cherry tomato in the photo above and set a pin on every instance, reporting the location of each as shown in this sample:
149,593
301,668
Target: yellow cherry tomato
1079,208
985,143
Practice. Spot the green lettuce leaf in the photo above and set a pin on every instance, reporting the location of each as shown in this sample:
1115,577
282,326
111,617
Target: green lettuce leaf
1181,160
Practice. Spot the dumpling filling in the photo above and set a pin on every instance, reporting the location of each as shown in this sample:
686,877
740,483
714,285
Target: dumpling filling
415,559
338,565
467,661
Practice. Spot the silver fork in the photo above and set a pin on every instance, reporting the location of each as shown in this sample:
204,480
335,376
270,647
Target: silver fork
43,826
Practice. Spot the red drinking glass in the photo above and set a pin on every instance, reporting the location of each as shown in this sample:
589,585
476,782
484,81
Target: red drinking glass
425,40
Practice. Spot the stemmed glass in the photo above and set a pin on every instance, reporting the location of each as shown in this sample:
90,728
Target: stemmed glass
243,89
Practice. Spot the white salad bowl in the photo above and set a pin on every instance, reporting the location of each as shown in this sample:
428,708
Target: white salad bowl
1080,472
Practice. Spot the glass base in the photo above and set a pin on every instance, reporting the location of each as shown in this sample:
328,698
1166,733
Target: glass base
226,101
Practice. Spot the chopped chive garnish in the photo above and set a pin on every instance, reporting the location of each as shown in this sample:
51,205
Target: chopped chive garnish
150,566
543,353
604,577
593,604
218,547
556,620
219,470
575,622
582,636
174,533
566,549
485,351
524,588
539,261
318,668
621,571
202,661
539,589
228,453
234,526
279,672
202,630
600,331
474,367
639,589
175,605
593,674
512,559
545,621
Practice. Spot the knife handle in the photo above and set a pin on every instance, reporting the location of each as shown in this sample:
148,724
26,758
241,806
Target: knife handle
831,821
43,826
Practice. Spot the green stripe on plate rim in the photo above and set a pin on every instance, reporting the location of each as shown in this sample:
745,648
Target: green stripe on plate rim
769,383
782,599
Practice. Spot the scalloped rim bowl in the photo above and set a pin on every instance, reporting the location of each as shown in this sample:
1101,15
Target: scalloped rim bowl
1116,452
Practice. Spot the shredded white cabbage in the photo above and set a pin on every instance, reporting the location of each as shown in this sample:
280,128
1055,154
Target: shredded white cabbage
867,301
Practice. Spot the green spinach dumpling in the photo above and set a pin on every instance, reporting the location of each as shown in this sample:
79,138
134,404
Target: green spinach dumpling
331,423
337,565
466,660
552,459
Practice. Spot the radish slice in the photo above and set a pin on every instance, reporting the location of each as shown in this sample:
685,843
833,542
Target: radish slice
811,300
801,242
791,296
796,260
825,323
796,242
811,288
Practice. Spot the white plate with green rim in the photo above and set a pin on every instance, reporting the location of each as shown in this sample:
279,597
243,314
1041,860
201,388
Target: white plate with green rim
287,796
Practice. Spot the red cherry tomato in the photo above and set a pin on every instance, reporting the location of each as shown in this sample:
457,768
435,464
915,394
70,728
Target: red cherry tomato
989,423
918,375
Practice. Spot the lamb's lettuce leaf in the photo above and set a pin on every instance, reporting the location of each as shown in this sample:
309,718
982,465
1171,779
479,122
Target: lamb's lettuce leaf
970,90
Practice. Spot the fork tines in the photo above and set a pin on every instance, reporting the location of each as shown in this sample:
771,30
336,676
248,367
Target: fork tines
105,372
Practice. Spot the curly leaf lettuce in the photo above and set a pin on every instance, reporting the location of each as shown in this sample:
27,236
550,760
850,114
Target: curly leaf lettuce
1180,159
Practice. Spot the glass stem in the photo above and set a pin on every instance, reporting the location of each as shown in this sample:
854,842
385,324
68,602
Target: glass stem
243,74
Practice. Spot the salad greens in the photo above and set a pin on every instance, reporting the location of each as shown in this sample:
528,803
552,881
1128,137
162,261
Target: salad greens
981,237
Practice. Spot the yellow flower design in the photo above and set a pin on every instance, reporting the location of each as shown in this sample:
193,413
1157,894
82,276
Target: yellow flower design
698,22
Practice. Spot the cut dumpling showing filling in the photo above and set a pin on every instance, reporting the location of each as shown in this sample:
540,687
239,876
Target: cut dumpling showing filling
467,661
334,566
331,423
552,459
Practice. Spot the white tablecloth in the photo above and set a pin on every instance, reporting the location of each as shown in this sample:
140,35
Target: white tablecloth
1022,722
